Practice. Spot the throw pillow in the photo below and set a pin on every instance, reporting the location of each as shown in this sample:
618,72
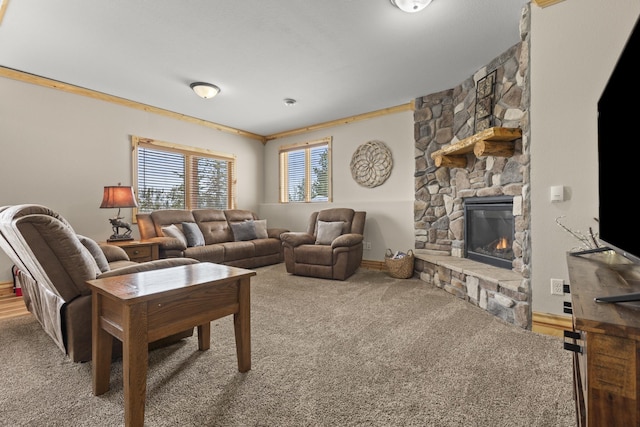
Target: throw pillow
193,234
245,230
173,231
261,228
327,232
96,253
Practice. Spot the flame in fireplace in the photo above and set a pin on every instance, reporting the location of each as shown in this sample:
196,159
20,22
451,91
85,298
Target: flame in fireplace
502,243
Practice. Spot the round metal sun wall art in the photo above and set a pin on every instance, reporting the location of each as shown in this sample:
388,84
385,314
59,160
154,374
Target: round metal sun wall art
371,164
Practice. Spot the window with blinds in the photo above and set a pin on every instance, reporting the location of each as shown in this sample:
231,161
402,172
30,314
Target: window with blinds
305,172
170,176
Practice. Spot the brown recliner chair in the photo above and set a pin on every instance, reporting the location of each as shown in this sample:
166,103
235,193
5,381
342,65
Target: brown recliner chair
54,264
331,248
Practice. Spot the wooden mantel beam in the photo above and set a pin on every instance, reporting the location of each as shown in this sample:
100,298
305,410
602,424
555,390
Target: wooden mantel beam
495,141
493,148
450,161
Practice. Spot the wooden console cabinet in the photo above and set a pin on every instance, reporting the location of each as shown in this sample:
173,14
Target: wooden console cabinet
605,339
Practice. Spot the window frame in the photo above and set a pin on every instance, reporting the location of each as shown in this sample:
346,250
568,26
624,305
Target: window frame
283,193
190,153
3,8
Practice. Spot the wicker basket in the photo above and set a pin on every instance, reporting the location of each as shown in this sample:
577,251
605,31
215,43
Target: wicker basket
401,268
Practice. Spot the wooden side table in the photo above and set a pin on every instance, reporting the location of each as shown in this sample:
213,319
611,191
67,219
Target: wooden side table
139,251
143,307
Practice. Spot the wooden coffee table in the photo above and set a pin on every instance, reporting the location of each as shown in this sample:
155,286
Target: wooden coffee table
143,307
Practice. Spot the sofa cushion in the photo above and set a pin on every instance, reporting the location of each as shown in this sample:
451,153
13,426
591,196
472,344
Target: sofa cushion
207,253
173,231
56,247
115,265
314,254
265,247
345,215
156,264
193,234
261,228
237,215
162,218
96,252
234,251
214,226
328,231
245,230
113,253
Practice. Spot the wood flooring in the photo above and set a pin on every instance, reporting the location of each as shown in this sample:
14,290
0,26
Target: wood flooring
12,306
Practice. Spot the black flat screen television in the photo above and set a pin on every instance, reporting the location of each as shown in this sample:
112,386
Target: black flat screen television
619,157
619,153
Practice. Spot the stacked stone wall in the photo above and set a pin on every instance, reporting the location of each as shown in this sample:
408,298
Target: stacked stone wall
446,117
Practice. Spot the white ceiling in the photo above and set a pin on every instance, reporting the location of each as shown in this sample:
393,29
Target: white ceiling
337,58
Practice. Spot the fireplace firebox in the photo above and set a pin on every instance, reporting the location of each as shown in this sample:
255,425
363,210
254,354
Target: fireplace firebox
489,230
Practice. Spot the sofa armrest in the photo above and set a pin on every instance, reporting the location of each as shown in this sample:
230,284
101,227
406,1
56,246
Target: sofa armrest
148,266
114,253
346,240
293,239
276,232
168,243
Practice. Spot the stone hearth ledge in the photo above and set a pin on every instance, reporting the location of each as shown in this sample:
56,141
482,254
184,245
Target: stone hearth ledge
497,290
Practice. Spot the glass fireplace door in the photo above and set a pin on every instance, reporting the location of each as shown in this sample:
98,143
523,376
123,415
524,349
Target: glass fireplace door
489,230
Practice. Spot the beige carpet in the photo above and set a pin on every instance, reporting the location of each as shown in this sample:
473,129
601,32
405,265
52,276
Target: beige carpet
370,351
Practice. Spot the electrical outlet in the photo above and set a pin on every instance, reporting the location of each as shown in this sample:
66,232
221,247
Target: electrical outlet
367,246
557,286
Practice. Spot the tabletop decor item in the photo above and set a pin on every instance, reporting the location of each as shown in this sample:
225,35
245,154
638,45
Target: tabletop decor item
399,264
119,197
485,99
371,164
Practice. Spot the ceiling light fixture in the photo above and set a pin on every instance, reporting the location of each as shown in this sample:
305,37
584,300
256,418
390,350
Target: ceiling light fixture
289,102
410,6
205,90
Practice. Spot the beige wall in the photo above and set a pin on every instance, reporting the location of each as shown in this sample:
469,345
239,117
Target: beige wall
60,149
574,47
389,206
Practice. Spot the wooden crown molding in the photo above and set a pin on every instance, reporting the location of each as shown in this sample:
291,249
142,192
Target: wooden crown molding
545,3
410,106
3,8
54,84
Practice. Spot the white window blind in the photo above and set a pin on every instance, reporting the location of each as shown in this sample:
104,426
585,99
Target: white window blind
305,172
170,176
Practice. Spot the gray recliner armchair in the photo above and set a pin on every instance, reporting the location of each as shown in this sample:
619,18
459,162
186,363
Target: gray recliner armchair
331,248
54,264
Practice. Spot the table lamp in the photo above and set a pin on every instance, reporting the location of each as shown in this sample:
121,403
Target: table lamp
119,197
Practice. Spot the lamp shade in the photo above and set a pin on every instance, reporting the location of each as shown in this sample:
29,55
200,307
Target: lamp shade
411,6
205,90
118,196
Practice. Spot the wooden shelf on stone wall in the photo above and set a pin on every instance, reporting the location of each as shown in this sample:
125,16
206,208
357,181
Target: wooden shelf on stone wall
495,141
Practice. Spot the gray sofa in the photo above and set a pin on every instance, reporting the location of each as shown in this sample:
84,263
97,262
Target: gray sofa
233,237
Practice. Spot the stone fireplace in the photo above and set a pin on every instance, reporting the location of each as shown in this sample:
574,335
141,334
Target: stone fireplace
454,166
